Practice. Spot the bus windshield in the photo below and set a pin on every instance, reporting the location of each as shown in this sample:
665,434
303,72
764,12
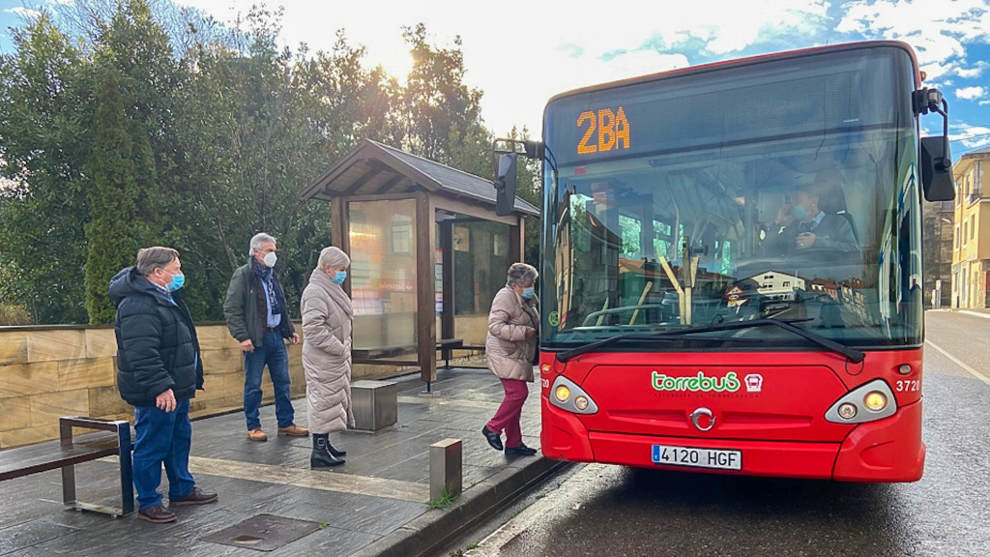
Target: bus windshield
780,189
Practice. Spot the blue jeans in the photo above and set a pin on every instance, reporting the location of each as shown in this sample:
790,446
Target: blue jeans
162,437
272,353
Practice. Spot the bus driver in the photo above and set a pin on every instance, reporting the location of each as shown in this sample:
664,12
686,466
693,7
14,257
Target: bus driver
803,224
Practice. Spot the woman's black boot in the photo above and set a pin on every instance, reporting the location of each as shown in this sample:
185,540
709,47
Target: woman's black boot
321,457
335,452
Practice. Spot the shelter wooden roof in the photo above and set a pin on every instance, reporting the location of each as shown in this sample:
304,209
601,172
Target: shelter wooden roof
373,168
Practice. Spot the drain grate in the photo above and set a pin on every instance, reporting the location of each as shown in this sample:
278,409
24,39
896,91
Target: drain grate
264,532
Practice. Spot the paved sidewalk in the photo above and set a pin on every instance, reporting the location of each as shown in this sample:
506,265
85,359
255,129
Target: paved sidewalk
374,504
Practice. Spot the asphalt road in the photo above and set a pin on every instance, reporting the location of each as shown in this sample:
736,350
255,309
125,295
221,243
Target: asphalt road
608,510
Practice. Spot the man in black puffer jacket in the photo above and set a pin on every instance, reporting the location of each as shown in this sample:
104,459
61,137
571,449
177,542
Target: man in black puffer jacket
158,371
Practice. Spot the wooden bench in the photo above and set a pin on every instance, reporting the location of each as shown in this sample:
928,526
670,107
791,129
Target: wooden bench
447,345
69,451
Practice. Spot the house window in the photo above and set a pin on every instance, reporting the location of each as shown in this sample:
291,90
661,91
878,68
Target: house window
965,232
972,226
787,283
401,238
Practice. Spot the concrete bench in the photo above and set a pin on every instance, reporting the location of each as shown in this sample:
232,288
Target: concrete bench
375,404
69,451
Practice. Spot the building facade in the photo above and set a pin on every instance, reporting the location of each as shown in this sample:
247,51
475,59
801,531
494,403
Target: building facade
937,226
971,231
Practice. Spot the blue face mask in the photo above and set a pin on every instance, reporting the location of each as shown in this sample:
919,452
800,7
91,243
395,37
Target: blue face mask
339,277
800,213
177,282
528,293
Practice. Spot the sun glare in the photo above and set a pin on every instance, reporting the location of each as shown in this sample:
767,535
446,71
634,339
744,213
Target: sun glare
398,64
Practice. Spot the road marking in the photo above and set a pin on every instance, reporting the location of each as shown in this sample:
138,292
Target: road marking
312,479
976,314
960,363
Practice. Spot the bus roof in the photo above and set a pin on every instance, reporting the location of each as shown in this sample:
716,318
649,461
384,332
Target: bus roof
689,70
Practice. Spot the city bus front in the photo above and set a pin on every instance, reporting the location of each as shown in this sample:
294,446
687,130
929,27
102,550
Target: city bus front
731,269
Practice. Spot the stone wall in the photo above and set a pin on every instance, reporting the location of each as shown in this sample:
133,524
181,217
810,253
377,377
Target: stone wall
49,372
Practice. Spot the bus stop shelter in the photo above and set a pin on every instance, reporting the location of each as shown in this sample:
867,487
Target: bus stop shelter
427,252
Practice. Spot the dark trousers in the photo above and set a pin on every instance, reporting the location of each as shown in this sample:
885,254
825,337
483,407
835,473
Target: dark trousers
162,437
273,354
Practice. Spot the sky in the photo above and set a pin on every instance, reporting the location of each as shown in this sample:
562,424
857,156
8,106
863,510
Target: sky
522,53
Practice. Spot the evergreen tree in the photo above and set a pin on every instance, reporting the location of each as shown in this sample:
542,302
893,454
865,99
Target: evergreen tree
118,226
44,101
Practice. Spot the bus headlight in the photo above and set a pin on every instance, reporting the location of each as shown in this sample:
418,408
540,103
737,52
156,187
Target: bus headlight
875,401
568,396
847,411
866,403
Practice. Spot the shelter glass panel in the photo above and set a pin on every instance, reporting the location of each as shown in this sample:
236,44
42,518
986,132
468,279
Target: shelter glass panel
383,278
481,259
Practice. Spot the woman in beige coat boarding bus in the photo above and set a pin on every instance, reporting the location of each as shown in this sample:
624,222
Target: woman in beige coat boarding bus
511,349
326,354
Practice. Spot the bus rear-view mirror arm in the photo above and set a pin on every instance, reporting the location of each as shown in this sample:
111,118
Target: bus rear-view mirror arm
505,171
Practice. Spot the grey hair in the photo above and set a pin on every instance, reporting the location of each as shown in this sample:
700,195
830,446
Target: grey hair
334,257
258,239
149,259
521,273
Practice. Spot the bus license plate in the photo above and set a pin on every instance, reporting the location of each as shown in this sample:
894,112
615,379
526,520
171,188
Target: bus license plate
701,458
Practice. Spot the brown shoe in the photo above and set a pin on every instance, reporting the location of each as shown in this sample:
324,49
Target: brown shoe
257,435
196,497
157,514
293,431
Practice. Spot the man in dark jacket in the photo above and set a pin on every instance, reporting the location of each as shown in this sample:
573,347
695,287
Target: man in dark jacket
804,224
257,317
158,371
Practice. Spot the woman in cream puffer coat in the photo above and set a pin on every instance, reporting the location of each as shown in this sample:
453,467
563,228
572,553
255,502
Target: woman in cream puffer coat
326,354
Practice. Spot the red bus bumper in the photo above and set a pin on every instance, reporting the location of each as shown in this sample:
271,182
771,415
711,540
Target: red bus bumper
888,450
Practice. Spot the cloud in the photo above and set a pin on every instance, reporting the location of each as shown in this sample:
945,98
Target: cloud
971,136
26,13
734,26
937,29
970,93
973,72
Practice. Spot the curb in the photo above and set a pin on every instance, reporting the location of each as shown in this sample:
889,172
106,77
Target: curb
437,526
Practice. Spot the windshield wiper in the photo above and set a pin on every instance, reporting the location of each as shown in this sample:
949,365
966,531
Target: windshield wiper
852,354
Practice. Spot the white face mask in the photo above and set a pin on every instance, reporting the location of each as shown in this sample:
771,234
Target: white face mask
270,259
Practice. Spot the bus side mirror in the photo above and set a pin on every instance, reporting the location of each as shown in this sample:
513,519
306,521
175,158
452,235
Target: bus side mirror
505,185
936,169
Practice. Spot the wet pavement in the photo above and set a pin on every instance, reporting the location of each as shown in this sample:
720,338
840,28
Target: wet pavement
610,510
382,488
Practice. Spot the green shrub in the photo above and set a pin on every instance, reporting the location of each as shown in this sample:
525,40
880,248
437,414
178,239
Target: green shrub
11,314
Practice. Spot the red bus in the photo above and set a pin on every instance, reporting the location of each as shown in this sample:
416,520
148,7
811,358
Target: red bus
731,265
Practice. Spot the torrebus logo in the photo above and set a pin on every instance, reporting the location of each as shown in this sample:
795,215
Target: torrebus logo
701,382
